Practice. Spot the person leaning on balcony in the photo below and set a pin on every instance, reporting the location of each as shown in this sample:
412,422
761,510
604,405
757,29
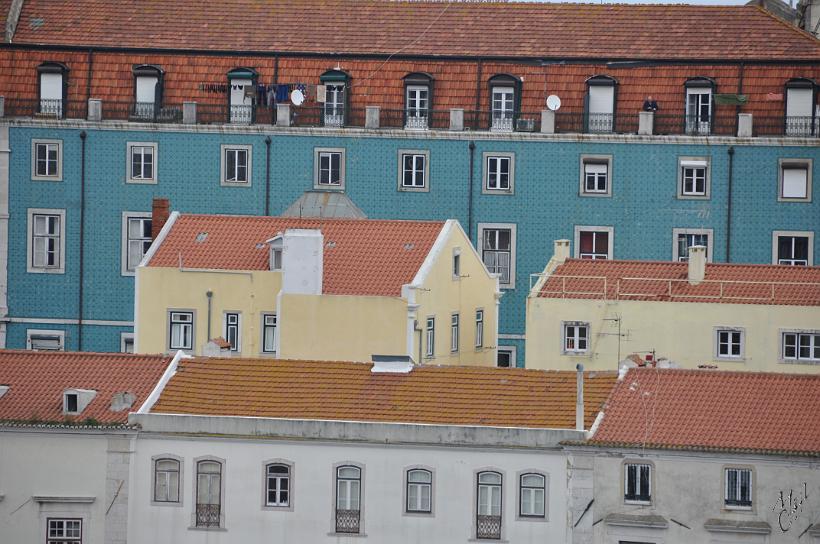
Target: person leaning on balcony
650,104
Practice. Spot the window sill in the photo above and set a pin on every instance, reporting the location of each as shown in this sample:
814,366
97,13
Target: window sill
693,197
575,353
354,535
208,529
418,514
596,195
536,519
414,189
497,192
637,502
806,200
730,359
329,188
270,508
224,183
46,271
130,181
163,504
731,508
799,361
488,540
44,178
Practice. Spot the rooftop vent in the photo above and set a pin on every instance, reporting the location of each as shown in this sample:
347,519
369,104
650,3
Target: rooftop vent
122,401
391,364
4,389
76,400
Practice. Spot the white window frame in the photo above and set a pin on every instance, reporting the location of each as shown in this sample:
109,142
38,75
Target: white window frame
279,505
125,241
626,466
456,262
61,538
238,347
479,328
694,125
425,171
502,118
787,164
223,159
126,337
60,269
710,233
430,337
695,162
318,152
129,156
577,325
485,186
455,332
482,227
738,469
419,115
793,233
58,175
262,345
596,160
58,334
180,466
719,331
592,228
169,329
798,333
418,510
513,355
520,515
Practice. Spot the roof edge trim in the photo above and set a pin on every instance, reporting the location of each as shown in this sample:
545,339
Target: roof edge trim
169,373
166,228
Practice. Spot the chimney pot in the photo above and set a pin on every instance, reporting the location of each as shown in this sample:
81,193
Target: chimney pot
697,264
160,211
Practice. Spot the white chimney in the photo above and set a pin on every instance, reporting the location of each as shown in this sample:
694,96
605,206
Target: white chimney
302,257
579,397
561,251
697,264
391,364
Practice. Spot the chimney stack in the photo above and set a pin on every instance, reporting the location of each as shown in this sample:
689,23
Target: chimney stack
302,261
160,210
697,264
579,398
561,251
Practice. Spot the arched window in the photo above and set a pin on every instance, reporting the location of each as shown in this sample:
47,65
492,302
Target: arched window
488,506
277,485
505,99
208,493
52,89
166,480
348,498
336,83
801,112
532,489
699,108
147,91
418,95
419,491
600,104
241,93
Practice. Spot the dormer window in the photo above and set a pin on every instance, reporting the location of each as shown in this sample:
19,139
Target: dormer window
52,79
699,92
417,93
71,403
147,91
276,253
600,104
76,400
801,119
505,92
241,93
335,83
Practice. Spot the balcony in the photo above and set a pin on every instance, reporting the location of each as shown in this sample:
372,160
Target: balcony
801,126
416,121
51,108
241,114
207,515
600,123
698,126
488,527
347,521
502,122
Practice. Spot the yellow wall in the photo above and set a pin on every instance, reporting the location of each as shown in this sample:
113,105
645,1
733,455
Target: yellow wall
441,296
680,331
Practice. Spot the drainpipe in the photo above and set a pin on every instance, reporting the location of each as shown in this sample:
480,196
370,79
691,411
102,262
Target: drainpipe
470,194
267,175
479,70
83,136
88,79
731,152
210,295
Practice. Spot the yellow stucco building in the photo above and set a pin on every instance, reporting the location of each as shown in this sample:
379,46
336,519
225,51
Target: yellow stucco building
729,316
320,289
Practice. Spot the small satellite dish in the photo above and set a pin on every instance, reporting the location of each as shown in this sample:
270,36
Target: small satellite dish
553,102
297,97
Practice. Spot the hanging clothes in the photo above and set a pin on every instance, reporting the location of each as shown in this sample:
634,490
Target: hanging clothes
282,92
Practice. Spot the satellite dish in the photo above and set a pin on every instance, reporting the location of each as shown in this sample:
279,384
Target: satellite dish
553,102
297,97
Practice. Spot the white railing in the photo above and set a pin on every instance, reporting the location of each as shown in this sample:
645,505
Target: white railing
799,126
415,121
601,122
241,114
502,122
51,106
695,126
334,119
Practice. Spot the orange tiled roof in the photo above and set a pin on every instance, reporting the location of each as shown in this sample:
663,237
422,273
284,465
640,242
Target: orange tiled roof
361,256
500,29
37,380
713,410
350,392
650,280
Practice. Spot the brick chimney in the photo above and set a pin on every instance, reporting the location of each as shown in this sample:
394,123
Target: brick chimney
160,210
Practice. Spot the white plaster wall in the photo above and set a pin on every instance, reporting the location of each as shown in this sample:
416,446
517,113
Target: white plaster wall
313,503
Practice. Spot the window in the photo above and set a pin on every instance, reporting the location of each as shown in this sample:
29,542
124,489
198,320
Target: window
334,105
576,337
793,248
242,90
136,239
142,162
600,104
593,242
801,346
595,174
268,333
64,531
729,343
236,164
683,239
329,168
166,480
503,108
208,494
126,342
417,100
505,357
693,178
488,508
533,493
413,170
42,340
498,251
348,499
276,246
637,483
147,91
499,170
46,241
419,491
47,160
232,331
277,485
431,337
181,330
71,403
53,84
738,488
795,180
479,328
456,263
454,332
699,106
800,100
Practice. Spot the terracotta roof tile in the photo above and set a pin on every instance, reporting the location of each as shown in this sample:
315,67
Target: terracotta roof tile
37,380
666,281
518,29
361,256
350,391
713,410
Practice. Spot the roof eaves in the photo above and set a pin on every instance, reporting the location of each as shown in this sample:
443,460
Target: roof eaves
608,444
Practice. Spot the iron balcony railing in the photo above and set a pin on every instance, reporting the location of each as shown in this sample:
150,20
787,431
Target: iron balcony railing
488,527
207,515
347,521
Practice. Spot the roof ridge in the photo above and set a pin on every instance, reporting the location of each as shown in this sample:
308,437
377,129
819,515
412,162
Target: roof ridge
714,371
609,262
794,28
309,219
